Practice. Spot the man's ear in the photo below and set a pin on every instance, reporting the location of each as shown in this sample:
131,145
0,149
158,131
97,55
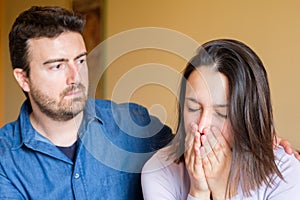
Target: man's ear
22,79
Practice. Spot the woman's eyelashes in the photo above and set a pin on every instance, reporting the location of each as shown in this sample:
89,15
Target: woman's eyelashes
217,112
221,114
190,109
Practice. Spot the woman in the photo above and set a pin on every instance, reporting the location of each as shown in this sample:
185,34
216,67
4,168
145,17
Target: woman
223,148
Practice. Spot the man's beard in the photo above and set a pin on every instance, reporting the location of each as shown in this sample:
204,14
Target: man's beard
64,109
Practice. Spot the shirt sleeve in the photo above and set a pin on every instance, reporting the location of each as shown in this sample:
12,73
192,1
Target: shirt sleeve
155,184
7,190
190,197
289,186
164,180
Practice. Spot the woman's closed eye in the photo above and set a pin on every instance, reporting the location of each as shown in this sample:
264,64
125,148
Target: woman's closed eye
221,111
220,114
191,109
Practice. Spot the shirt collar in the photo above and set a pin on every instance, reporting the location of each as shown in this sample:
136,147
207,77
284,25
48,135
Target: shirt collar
29,134
26,130
90,111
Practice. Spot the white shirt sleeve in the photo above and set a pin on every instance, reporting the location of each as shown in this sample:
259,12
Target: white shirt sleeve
289,188
190,197
163,179
166,180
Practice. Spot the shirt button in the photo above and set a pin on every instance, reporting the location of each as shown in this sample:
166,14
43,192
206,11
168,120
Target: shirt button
76,175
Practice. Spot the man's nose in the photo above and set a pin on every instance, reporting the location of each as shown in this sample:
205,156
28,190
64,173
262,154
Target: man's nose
73,75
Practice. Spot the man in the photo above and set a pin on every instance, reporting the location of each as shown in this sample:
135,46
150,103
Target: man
65,145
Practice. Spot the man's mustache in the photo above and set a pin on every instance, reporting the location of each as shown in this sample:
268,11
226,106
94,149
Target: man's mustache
71,88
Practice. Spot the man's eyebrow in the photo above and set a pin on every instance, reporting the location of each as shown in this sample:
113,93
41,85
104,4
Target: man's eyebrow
63,59
80,55
55,60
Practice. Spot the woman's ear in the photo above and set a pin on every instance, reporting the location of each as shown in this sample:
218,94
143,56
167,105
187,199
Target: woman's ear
22,79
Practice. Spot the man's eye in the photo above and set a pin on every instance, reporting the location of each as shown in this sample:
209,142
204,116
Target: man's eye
56,67
81,61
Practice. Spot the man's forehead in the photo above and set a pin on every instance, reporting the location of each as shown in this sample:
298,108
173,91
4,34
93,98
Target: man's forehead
65,46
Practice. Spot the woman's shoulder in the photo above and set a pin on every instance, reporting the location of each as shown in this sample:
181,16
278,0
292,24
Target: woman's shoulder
164,178
284,160
277,189
289,168
161,166
161,161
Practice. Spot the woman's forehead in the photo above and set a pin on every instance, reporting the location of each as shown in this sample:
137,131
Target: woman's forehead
207,84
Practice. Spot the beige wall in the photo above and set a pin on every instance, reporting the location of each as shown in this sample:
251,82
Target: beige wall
271,28
2,13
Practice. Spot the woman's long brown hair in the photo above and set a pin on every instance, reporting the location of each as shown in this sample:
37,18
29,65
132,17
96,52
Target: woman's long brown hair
250,112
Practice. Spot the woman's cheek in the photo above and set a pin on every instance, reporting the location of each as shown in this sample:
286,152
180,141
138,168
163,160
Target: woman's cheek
189,119
227,133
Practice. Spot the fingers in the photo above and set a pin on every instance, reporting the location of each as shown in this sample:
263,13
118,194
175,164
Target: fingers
189,140
197,158
208,150
216,161
208,157
278,141
215,148
193,161
297,155
286,145
189,146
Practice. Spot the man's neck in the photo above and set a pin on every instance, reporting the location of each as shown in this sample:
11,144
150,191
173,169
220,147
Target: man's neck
60,133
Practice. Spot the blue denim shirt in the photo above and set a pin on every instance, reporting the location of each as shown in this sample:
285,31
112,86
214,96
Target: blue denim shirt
114,142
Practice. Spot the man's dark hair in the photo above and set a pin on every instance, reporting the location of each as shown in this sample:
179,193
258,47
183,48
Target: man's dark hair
36,22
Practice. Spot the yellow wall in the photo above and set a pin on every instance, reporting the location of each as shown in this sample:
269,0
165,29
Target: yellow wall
1,62
271,28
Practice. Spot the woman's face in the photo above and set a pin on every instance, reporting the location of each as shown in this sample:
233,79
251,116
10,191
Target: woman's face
206,101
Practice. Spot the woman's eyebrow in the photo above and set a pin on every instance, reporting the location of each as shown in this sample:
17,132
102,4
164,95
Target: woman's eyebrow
192,99
221,105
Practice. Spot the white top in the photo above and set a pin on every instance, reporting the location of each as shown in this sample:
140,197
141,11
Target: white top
164,179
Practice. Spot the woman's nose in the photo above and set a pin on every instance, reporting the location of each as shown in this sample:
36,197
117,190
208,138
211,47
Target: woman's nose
205,120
